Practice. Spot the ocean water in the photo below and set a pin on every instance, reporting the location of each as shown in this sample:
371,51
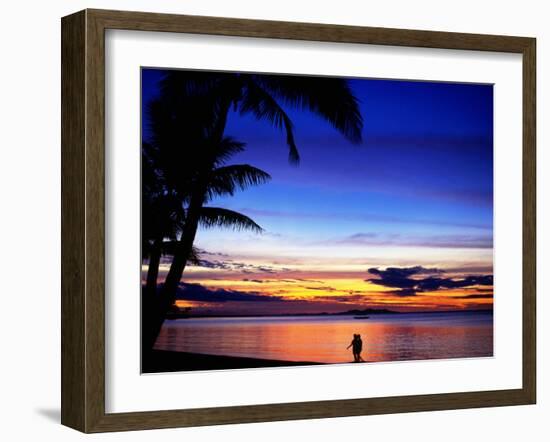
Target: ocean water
386,337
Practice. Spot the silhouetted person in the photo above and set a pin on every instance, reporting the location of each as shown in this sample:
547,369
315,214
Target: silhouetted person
356,347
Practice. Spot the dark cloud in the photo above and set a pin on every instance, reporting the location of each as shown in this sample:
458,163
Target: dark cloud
283,292
402,278
206,252
198,292
344,298
213,264
403,293
288,280
324,289
477,269
265,281
266,269
475,296
237,266
405,271
450,283
477,241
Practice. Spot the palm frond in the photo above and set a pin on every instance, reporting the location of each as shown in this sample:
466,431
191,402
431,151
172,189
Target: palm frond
264,107
169,247
227,180
194,257
185,83
201,96
219,217
330,98
228,147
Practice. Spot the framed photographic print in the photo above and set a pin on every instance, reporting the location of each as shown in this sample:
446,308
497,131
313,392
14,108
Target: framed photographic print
268,221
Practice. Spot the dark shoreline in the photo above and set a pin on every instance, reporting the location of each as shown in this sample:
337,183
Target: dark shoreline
160,361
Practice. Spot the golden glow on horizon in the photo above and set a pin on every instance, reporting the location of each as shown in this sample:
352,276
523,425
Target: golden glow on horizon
320,288
354,292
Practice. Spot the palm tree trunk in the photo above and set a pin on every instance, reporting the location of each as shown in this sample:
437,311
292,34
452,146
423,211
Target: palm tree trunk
158,306
153,270
162,304
183,247
149,300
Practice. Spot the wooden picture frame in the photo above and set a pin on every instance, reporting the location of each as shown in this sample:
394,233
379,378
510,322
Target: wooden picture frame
83,220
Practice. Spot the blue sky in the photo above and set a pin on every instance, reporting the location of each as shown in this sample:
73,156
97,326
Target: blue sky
417,190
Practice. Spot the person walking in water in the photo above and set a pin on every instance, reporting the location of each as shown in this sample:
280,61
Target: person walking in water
356,347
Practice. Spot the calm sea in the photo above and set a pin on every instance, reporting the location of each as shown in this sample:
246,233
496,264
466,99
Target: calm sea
386,337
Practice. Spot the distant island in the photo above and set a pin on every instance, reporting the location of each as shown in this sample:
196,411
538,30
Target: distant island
367,311
186,313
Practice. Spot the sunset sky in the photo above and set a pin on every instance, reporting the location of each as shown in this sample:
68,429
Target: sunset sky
403,221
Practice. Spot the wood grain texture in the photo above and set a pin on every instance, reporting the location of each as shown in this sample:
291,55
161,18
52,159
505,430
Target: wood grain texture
308,410
73,253
529,222
95,222
144,21
83,220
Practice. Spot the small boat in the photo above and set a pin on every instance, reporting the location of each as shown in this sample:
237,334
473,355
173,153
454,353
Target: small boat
361,317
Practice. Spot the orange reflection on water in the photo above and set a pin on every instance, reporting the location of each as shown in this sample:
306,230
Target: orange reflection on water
324,339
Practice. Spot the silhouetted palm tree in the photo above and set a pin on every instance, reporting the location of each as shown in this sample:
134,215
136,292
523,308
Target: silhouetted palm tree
163,213
162,216
165,194
209,97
